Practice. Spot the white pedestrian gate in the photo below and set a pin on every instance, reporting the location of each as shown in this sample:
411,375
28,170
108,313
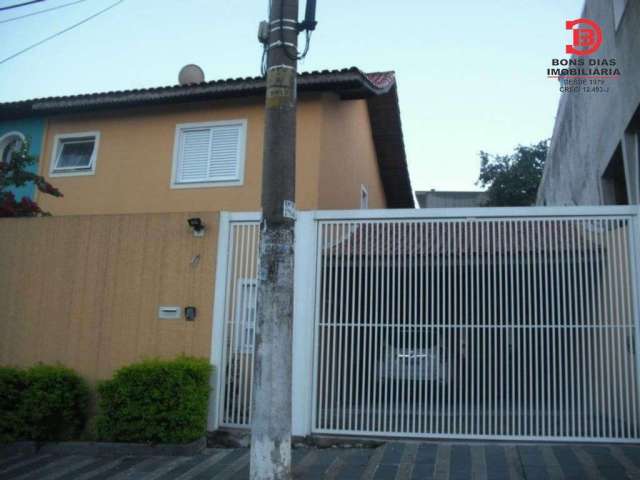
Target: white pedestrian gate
466,323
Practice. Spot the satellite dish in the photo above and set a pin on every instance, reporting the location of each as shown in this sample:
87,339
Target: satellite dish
190,74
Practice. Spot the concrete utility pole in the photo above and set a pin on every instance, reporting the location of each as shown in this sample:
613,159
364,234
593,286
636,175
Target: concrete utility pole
271,419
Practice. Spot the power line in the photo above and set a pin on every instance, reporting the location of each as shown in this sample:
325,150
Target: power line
42,11
57,34
17,5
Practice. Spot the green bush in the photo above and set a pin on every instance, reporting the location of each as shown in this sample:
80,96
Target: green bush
55,403
155,401
43,402
13,383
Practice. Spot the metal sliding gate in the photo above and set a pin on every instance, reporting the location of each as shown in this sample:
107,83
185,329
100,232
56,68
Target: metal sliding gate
477,323
514,324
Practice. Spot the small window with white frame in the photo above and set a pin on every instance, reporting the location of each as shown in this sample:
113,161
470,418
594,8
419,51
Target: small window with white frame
364,197
10,143
209,154
74,154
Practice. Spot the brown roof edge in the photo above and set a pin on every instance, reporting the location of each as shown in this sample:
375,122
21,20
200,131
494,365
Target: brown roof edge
386,127
348,83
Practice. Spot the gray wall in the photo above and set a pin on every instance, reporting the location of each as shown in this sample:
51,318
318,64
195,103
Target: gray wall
442,199
589,126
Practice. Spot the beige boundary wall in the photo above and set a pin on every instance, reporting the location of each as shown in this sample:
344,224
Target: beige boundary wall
84,291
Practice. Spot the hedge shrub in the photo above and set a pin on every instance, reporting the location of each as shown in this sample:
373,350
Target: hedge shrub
43,402
13,382
55,403
155,401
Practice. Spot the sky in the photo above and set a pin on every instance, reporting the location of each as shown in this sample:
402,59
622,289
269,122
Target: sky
471,74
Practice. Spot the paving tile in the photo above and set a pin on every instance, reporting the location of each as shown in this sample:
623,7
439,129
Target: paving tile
386,472
25,466
125,464
530,455
460,461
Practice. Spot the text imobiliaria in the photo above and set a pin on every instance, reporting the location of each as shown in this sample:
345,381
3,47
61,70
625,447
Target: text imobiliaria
591,67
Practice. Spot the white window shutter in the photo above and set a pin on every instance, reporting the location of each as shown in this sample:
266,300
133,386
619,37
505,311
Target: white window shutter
210,153
194,158
225,145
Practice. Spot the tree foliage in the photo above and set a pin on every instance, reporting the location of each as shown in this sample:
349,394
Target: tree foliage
14,174
512,180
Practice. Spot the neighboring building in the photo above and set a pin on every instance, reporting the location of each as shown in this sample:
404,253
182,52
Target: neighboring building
199,147
594,153
12,134
448,199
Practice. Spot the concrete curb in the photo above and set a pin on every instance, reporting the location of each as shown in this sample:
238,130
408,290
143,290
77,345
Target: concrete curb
106,449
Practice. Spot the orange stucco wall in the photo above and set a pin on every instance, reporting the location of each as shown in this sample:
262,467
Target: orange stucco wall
348,156
335,155
84,291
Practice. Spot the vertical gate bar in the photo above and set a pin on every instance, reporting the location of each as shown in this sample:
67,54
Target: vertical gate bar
319,320
439,308
240,354
601,387
502,331
620,261
231,320
349,357
238,320
374,233
628,331
421,324
625,291
634,235
333,328
221,410
573,329
447,326
247,358
563,331
615,331
607,329
544,312
556,340
368,309
537,331
344,275
453,323
495,331
519,323
361,332
403,328
589,318
440,332
431,332
483,327
386,322
512,349
466,321
529,331
412,303
580,332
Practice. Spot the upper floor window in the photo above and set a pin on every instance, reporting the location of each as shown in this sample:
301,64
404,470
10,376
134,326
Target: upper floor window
74,154
618,10
9,144
209,154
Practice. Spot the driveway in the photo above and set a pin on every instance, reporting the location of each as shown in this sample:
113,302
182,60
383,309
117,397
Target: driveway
420,461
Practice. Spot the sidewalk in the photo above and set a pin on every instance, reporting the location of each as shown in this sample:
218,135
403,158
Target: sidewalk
419,461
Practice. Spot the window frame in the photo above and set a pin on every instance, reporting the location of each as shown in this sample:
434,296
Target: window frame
5,138
177,148
58,140
364,197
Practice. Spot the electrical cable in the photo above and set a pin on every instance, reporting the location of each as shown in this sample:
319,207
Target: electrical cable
42,11
57,34
18,5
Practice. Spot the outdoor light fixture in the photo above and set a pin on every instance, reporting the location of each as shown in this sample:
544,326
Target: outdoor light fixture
196,226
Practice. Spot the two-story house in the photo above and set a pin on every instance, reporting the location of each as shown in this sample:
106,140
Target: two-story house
104,281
